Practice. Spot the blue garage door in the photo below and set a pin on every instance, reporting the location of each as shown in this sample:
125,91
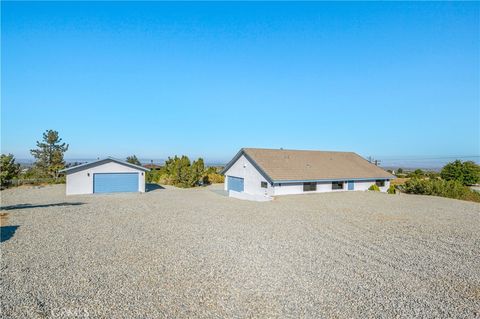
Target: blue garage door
115,182
235,184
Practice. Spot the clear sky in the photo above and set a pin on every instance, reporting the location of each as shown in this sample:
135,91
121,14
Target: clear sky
205,79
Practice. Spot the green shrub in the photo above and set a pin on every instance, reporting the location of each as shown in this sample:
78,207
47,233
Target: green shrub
438,187
214,178
8,170
374,188
467,173
391,189
416,173
152,176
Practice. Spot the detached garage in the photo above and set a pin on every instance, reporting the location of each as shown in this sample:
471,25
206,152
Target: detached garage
108,175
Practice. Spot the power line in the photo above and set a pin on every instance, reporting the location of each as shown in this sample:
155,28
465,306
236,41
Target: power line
427,158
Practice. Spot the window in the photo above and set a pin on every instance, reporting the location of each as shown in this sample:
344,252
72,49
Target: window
337,185
309,187
380,182
263,184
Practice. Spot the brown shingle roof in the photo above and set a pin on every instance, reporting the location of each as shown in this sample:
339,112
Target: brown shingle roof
295,165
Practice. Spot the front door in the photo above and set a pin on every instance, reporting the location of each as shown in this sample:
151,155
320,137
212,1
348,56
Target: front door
351,185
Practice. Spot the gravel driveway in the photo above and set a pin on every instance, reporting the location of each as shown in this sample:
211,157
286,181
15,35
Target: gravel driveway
195,253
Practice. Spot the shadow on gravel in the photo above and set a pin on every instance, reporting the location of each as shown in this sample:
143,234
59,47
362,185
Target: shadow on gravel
7,232
23,206
153,187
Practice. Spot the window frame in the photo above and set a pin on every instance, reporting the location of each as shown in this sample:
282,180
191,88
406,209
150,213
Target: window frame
263,184
337,183
309,186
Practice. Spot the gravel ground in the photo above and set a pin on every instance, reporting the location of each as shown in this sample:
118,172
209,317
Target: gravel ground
194,253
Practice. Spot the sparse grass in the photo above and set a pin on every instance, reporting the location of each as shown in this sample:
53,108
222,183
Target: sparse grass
399,181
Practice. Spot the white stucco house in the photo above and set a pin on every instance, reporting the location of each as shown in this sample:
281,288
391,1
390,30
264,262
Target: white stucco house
260,174
108,175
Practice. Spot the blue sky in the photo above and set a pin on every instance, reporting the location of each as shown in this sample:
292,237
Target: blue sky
390,80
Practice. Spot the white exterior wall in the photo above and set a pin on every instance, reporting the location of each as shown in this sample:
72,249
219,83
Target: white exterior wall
322,187
365,185
80,183
243,168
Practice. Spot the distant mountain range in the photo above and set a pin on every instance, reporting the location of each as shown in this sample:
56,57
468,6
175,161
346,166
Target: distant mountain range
29,162
406,164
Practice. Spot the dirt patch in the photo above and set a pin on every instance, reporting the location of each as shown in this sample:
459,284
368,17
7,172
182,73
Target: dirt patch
398,181
3,219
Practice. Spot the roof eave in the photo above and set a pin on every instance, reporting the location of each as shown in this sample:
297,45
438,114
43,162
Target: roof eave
66,170
251,160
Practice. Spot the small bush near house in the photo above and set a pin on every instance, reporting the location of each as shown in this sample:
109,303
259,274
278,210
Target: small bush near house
374,188
450,189
391,189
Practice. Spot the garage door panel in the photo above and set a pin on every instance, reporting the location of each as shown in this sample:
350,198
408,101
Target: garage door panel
115,182
235,184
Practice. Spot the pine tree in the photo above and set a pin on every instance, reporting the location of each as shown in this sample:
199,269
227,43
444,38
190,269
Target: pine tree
197,171
49,154
9,169
133,160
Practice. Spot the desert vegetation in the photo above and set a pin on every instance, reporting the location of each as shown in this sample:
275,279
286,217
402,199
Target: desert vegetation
452,182
49,160
181,172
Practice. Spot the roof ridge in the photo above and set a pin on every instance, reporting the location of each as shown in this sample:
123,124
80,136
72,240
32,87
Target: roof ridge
294,150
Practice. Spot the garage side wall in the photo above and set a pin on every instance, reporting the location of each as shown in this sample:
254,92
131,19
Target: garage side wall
80,183
243,168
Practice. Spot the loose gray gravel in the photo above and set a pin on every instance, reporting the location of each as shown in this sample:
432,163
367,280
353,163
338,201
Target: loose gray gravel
196,254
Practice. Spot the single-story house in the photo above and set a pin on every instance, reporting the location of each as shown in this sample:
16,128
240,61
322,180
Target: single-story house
255,173
108,175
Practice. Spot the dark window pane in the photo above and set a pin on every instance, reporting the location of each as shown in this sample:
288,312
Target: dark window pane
337,185
380,182
309,187
263,184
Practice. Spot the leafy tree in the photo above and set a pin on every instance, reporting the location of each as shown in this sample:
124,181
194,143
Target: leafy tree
179,171
416,173
400,170
433,175
467,173
133,160
49,154
9,169
182,172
